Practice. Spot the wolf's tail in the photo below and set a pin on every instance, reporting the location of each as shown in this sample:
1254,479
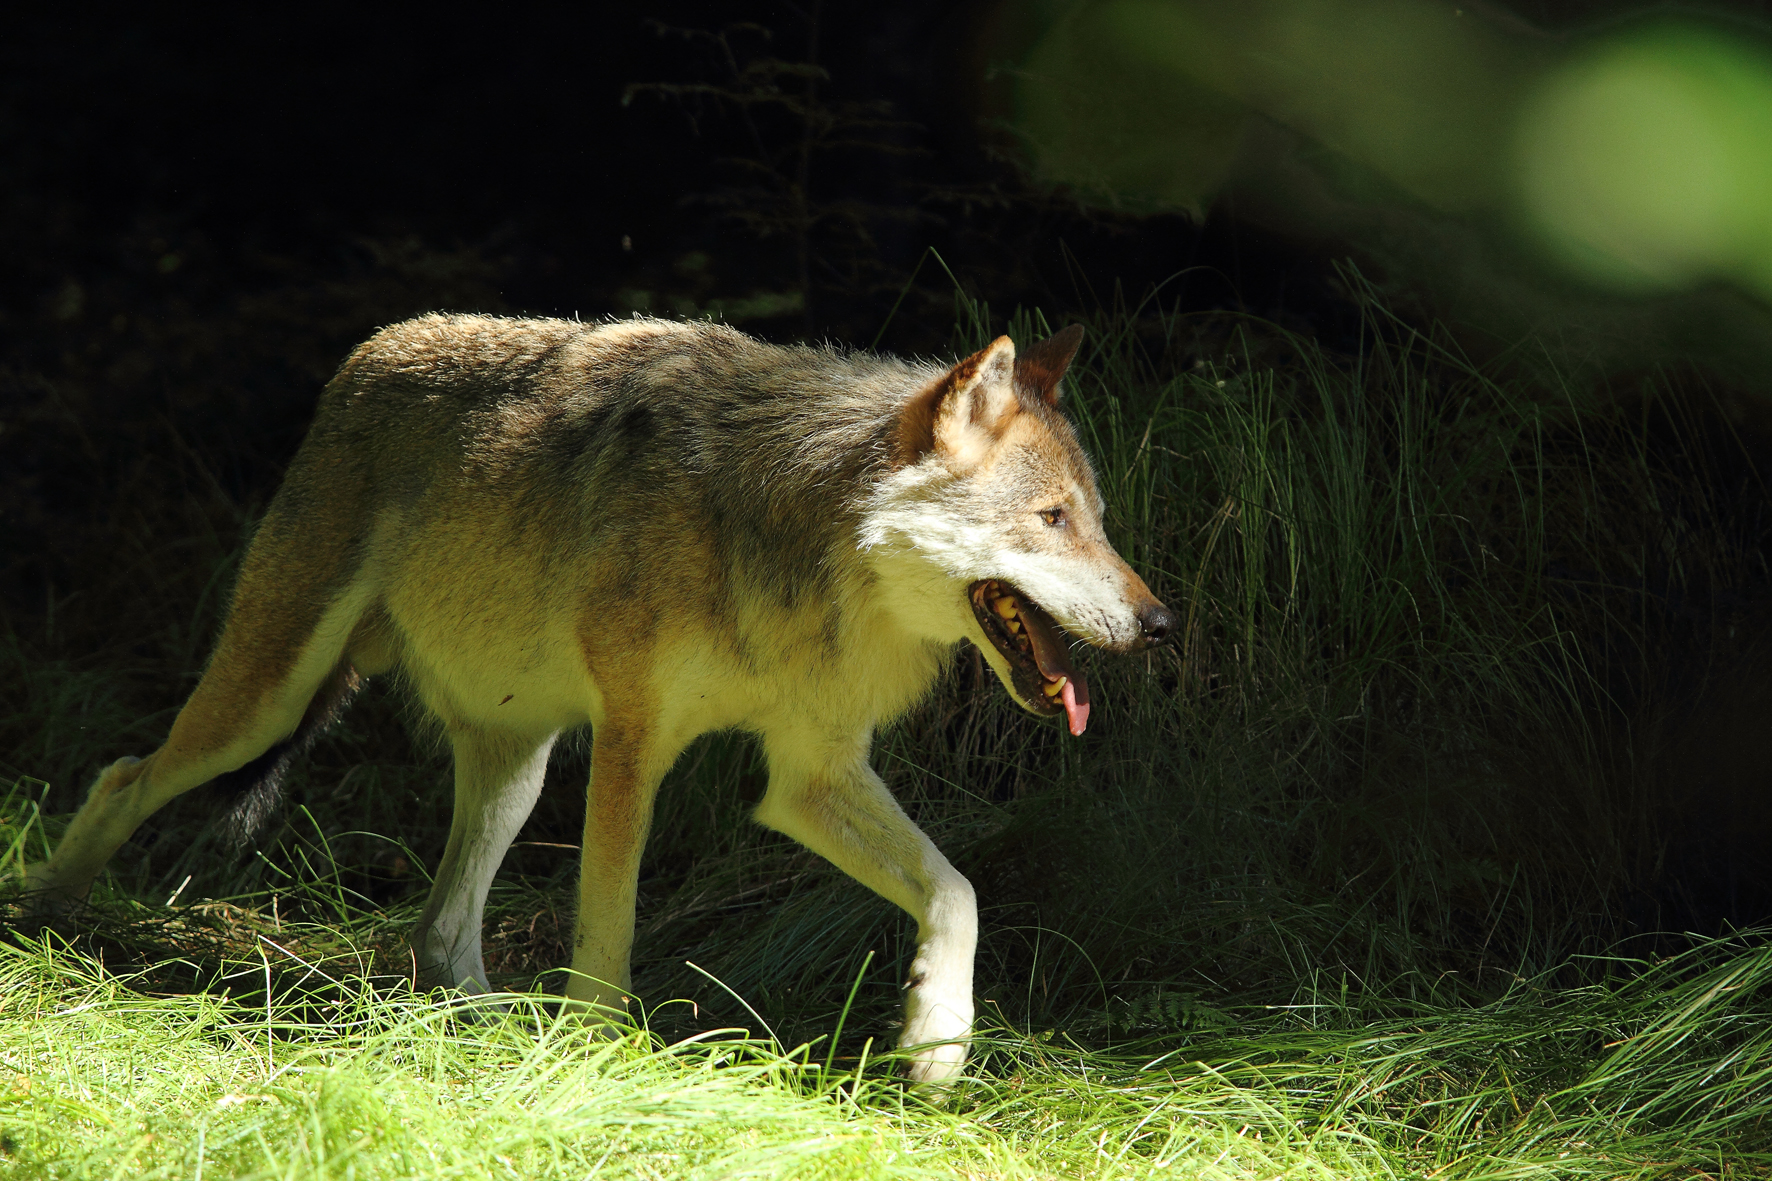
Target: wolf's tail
253,794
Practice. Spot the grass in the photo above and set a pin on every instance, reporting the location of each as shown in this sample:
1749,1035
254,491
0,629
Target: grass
1399,863
1664,1072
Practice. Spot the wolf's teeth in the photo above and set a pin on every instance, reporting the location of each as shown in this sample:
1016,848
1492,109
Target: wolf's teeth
1005,607
1014,626
1054,688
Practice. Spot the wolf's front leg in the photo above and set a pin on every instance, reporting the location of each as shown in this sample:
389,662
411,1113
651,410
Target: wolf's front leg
626,768
497,779
824,795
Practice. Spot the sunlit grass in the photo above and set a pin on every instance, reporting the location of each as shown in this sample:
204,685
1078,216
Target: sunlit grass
1665,1071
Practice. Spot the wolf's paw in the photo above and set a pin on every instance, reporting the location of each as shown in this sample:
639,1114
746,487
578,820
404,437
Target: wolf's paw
468,999
478,1008
936,1035
598,1010
44,906
595,1024
937,1066
431,977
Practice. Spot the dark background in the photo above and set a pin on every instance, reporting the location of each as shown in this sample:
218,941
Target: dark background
256,190
290,134
204,213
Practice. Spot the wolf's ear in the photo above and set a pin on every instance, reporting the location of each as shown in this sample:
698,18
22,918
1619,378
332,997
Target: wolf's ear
963,411
1041,366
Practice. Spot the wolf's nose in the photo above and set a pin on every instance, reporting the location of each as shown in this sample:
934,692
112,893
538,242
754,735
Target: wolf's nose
1155,621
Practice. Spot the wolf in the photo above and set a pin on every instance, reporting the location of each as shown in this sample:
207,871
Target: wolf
657,529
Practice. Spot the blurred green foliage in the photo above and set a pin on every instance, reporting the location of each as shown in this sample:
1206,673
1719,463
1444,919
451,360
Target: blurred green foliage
1635,158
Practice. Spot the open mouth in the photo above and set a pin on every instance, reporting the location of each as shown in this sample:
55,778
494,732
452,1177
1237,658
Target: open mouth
1034,645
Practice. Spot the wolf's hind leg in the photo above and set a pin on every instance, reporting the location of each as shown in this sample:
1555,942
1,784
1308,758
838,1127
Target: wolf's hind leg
832,802
497,779
275,655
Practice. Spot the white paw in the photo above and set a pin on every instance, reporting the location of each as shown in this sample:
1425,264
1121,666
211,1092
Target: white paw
936,1032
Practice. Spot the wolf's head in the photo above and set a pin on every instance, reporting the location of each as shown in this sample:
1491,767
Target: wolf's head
992,514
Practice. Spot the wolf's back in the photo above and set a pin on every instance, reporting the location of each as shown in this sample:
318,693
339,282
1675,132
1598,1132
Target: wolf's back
587,428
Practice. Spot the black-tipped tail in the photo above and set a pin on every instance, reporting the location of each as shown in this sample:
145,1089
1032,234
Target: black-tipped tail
253,793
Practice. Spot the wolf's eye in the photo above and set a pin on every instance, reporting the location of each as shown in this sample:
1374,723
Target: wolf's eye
1053,516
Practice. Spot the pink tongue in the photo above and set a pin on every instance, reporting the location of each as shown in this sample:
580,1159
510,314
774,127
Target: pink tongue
1054,662
1076,712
